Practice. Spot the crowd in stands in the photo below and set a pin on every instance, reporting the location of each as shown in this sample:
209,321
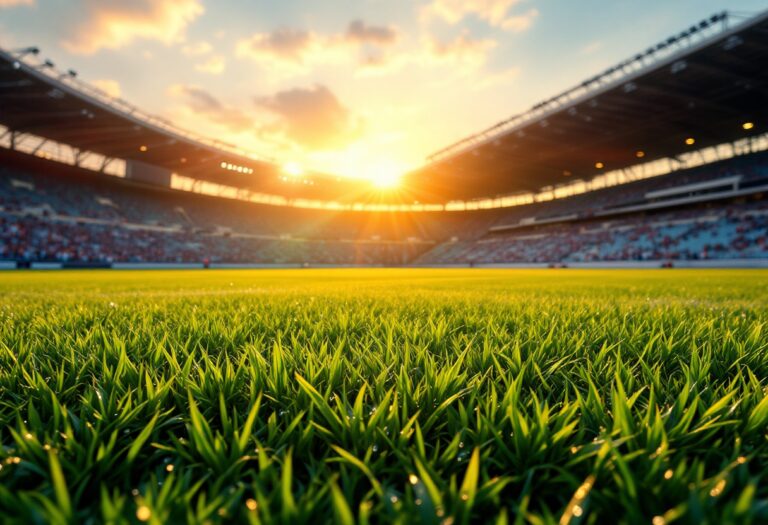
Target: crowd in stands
93,218
40,239
71,215
729,230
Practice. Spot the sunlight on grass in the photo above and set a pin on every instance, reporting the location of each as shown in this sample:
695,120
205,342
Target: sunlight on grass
378,396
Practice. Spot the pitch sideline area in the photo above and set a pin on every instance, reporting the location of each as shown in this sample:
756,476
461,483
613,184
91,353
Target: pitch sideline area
371,395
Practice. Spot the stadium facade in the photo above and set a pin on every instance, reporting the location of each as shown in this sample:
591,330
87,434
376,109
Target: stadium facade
659,160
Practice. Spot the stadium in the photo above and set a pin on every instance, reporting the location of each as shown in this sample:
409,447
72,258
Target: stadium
560,318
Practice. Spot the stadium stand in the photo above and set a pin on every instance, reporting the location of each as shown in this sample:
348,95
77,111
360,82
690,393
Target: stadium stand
51,212
705,86
730,230
717,211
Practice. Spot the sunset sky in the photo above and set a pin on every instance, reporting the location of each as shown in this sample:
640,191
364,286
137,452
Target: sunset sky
356,88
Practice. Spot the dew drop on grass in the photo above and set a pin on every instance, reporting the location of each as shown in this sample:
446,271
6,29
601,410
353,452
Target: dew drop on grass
143,513
717,489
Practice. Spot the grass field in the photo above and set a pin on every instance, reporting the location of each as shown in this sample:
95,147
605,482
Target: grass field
381,396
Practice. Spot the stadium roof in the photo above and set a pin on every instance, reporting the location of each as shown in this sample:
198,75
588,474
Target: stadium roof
37,99
702,84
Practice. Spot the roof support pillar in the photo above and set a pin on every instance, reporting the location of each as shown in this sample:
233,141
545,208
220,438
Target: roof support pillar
79,155
106,161
15,135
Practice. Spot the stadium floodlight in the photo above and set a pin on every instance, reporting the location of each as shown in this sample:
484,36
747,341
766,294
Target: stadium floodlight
748,125
71,73
32,50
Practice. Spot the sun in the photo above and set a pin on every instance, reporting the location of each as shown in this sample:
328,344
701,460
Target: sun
385,177
293,169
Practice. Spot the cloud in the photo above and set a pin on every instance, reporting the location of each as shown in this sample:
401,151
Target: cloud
371,47
201,102
358,31
312,117
210,64
214,65
300,49
521,22
16,3
377,63
494,12
111,24
282,45
463,50
462,54
108,86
